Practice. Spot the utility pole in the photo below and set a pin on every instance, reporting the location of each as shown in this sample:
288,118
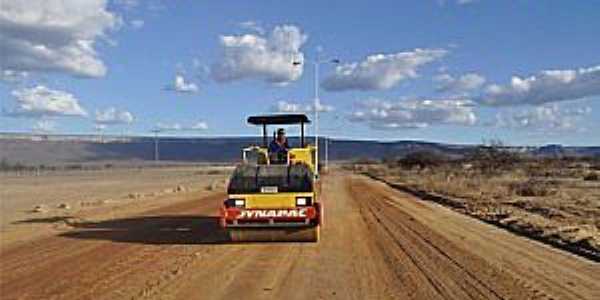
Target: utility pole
327,153
156,154
329,142
100,131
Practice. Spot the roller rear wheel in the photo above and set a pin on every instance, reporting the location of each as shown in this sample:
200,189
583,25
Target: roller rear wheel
310,234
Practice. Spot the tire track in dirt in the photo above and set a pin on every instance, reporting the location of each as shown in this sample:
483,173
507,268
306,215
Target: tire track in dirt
376,244
343,265
429,253
440,240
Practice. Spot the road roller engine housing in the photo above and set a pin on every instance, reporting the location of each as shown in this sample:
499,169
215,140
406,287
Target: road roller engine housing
273,196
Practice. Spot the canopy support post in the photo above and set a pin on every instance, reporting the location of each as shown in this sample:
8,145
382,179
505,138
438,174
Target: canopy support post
302,134
265,135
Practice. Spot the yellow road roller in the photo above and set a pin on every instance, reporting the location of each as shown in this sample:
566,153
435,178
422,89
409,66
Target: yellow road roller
273,193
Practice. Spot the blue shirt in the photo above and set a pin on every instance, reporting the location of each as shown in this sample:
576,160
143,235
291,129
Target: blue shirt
275,147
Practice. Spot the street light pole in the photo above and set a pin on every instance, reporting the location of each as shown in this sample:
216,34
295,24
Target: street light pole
316,108
316,63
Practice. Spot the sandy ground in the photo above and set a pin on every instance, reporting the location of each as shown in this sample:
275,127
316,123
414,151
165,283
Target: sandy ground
95,194
377,243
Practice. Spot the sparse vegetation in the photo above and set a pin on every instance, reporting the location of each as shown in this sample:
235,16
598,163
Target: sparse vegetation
539,196
592,177
532,188
493,157
366,161
422,160
23,169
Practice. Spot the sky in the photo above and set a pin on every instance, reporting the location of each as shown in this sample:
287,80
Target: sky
453,71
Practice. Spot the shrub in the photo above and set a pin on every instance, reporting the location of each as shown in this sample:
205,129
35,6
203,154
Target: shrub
422,159
366,161
494,157
592,177
6,165
532,188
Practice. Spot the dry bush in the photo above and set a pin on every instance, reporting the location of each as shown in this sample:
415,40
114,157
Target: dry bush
421,160
366,161
493,158
533,188
462,184
215,172
592,177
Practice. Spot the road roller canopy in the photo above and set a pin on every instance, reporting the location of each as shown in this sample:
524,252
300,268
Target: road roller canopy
280,119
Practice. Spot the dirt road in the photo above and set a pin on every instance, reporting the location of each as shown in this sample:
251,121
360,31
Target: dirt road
377,243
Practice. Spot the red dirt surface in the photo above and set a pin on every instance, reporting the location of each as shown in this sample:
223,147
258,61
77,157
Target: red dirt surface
377,243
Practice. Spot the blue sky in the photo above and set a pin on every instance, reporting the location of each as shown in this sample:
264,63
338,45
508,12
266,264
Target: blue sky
525,72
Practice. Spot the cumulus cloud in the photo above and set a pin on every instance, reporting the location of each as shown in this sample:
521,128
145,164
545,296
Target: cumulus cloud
127,4
197,126
545,117
100,127
40,101
259,56
13,76
113,116
201,125
380,71
137,23
379,114
291,107
44,126
461,84
253,26
182,86
54,35
545,87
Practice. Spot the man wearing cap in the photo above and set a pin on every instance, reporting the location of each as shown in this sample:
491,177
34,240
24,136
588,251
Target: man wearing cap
279,147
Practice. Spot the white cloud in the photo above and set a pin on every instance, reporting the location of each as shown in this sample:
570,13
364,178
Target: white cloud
44,126
269,58
461,84
458,2
404,114
197,126
100,127
169,126
253,26
291,107
182,86
113,116
127,4
546,86
13,76
137,23
54,35
40,101
545,117
380,71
